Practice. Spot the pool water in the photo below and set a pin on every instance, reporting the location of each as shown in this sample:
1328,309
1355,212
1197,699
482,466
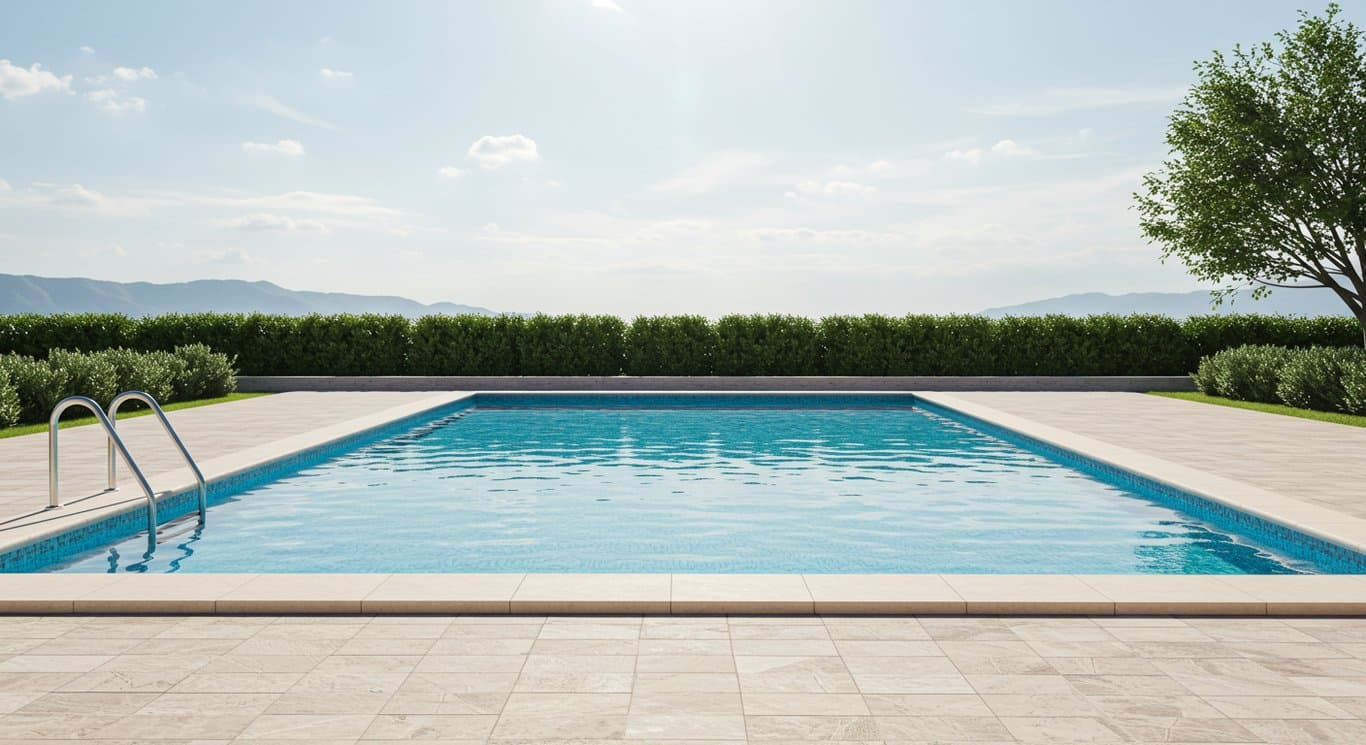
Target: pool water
695,484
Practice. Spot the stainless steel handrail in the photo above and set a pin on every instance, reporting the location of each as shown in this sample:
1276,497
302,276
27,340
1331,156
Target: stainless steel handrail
146,398
115,442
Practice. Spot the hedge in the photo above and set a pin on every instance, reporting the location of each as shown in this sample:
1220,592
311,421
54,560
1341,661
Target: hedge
30,388
684,345
1321,378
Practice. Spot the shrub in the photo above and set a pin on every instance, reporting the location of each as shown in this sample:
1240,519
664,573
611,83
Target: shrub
670,345
767,345
465,345
33,334
86,375
947,344
1313,378
154,373
9,402
39,385
571,345
1354,388
207,374
866,345
1246,373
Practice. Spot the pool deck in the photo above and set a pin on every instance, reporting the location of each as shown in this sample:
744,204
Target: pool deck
340,680
1256,462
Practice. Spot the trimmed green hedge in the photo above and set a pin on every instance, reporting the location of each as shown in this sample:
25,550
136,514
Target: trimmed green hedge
30,387
1320,378
684,345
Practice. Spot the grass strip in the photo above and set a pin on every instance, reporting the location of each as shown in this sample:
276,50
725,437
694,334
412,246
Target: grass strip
1333,417
125,412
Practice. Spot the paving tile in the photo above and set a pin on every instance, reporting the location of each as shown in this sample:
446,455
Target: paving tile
443,593
564,716
882,593
592,593
740,593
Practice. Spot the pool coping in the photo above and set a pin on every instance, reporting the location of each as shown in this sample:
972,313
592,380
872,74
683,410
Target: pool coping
824,594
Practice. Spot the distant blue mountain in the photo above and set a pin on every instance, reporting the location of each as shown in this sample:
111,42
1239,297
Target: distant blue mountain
29,294
1303,302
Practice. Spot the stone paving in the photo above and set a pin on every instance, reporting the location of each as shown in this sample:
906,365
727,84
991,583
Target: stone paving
345,679
1300,458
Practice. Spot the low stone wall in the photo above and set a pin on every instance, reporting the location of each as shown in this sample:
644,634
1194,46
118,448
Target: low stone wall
279,384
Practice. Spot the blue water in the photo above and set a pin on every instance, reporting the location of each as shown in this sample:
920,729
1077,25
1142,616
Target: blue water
669,484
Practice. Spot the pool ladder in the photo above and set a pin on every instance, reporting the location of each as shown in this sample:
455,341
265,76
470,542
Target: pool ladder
117,447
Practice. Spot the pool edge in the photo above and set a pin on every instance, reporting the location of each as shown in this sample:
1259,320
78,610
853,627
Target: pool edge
680,594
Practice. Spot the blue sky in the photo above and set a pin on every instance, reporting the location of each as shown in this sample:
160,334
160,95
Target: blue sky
597,156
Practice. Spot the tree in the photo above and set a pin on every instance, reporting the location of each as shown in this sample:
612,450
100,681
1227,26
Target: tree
1266,184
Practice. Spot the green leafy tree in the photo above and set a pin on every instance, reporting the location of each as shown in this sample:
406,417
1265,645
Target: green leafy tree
1266,185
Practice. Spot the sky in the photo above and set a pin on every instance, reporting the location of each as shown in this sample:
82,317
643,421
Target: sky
604,156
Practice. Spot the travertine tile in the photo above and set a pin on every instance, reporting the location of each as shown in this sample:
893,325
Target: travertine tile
882,593
740,593
443,593
1029,594
592,593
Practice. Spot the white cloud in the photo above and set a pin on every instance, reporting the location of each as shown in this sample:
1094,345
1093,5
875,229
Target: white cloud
769,235
881,167
4,185
833,189
266,222
848,189
450,172
1062,100
290,148
607,5
492,151
713,173
113,102
235,256
129,74
972,156
331,74
17,81
276,107
1003,149
87,49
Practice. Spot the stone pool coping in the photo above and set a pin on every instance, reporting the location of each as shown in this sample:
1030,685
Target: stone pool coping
825,594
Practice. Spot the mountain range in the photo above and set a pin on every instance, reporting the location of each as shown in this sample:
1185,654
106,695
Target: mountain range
29,294
1301,302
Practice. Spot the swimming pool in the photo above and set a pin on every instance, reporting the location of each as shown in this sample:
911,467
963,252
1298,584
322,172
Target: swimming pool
703,483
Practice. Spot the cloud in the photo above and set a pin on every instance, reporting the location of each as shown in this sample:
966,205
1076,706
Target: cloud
16,82
75,195
331,74
1052,101
235,256
845,189
290,148
128,74
492,151
87,50
4,185
266,222
770,235
113,102
1003,149
713,173
607,5
274,106
450,172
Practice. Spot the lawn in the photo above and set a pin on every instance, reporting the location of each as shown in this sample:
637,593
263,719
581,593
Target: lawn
1322,416
125,413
